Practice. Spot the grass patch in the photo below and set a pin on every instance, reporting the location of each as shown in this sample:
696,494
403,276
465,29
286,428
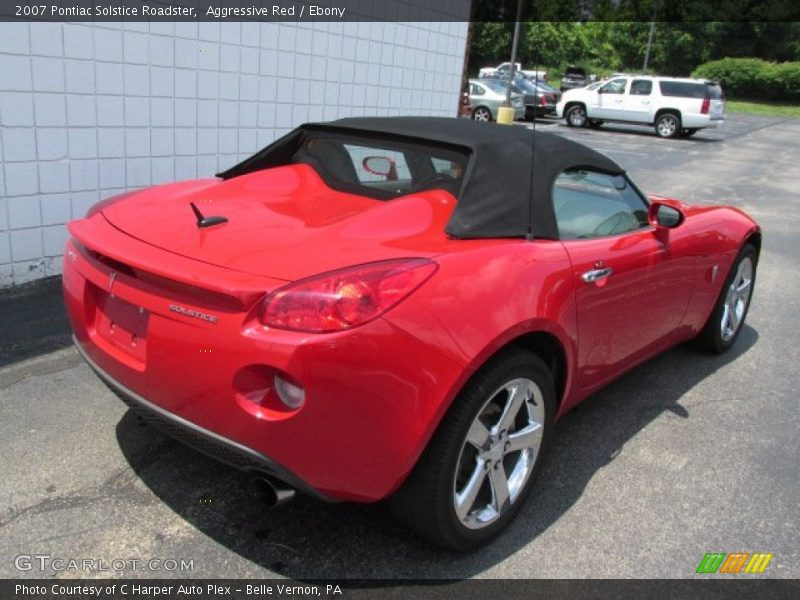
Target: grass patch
771,109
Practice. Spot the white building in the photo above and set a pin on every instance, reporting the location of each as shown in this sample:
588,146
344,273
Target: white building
88,110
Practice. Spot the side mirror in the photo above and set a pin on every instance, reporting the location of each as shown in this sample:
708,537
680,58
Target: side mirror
380,165
601,91
664,216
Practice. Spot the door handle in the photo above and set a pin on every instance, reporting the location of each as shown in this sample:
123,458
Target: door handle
618,100
645,101
597,274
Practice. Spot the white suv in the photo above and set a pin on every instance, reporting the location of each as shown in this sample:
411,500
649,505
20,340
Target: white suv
674,106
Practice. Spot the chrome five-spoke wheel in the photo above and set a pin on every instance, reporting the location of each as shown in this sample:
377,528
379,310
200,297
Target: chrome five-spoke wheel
727,318
476,472
736,299
499,453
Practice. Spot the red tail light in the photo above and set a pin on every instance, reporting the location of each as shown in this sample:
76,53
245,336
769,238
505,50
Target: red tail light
346,298
705,106
542,100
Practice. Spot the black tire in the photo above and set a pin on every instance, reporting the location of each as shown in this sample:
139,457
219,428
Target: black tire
482,114
576,116
594,124
711,338
426,501
668,125
688,132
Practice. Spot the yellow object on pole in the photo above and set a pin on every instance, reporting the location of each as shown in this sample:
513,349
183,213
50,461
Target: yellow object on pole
505,115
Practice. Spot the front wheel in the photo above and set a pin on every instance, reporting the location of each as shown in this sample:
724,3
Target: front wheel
480,466
482,114
730,310
576,116
668,125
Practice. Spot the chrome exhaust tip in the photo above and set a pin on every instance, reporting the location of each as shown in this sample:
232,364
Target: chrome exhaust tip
273,492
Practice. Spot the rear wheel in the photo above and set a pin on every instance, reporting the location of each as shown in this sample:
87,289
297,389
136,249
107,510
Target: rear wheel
482,114
576,116
727,318
668,125
480,466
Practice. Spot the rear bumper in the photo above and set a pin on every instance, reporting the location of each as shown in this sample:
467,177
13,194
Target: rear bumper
692,121
212,444
368,414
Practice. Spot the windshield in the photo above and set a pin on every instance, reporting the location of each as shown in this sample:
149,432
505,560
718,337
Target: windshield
575,72
545,87
524,86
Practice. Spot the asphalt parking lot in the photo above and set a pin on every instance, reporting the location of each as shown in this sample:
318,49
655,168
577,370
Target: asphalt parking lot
688,454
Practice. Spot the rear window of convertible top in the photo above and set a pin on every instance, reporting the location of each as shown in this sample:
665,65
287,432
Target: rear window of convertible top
382,168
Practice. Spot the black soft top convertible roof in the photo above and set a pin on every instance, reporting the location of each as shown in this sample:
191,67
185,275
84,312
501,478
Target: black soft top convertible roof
507,187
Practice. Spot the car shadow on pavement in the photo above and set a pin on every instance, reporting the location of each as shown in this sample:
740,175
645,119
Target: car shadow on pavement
310,539
34,320
702,137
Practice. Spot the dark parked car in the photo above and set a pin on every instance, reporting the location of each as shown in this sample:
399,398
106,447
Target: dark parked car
574,77
537,101
547,89
548,98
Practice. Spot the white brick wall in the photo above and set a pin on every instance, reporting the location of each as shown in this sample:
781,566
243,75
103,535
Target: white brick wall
90,110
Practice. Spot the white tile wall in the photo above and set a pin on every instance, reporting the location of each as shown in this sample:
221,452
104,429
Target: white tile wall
90,110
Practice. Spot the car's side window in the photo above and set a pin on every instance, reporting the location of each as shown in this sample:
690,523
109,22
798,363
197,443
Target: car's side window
615,86
641,87
589,204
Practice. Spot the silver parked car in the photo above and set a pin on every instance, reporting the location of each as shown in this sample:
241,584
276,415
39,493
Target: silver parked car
487,95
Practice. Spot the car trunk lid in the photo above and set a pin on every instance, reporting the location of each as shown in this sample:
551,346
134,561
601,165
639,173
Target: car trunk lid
283,223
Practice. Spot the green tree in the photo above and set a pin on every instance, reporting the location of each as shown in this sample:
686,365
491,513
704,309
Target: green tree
554,43
491,44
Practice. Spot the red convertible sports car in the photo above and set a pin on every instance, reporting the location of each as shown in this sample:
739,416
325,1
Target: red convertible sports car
397,308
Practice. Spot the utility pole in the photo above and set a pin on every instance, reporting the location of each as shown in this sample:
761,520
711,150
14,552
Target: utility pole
650,37
505,114
514,46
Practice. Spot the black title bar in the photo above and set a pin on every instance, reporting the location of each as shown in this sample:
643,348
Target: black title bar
700,588
400,10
